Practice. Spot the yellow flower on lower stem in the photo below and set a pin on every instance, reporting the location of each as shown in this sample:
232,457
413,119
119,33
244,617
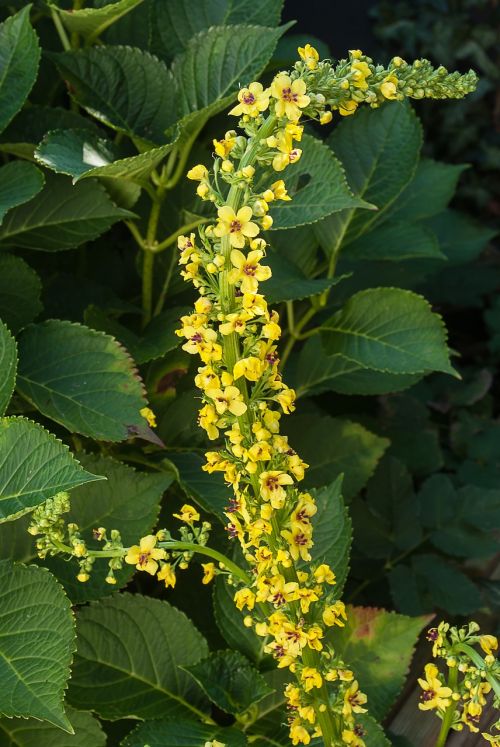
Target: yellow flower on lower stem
346,108
324,574
149,416
299,543
311,678
354,700
145,554
228,400
208,572
167,574
188,514
271,487
251,368
252,101
334,614
310,55
298,733
247,271
237,226
244,598
290,96
389,87
286,398
208,420
288,153
435,694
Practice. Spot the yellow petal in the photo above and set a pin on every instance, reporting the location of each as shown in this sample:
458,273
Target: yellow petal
226,214
147,543
250,229
237,258
244,214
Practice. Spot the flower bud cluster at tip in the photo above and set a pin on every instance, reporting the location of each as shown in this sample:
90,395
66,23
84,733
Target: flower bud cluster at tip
472,676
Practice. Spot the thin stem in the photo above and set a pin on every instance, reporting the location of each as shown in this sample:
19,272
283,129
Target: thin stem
296,334
166,284
61,31
148,260
135,233
479,662
450,711
174,236
211,553
184,155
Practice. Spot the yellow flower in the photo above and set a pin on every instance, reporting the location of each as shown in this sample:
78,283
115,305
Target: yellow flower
298,733
167,574
247,270
277,191
251,368
197,173
259,452
360,72
286,399
224,147
326,118
314,635
434,695
188,514
244,598
310,55
252,101
228,400
389,87
353,736
149,415
237,226
271,487
290,96
311,678
145,555
489,644
186,244
235,322
324,574
288,153
306,597
354,700
334,613
299,543
208,420
346,108
208,572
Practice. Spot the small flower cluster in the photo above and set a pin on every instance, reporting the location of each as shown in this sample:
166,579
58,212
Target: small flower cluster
471,677
292,599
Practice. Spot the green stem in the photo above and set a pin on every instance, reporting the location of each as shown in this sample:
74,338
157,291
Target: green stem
210,553
479,662
184,155
296,334
166,284
149,247
182,230
61,31
450,711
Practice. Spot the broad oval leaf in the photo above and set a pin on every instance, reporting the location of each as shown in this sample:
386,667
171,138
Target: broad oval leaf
394,242
19,182
33,733
82,379
34,466
389,329
126,500
138,672
92,22
20,290
37,642
326,190
230,681
61,216
8,366
288,282
126,88
83,154
20,55
181,733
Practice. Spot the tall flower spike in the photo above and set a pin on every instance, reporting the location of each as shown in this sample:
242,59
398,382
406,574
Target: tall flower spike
292,599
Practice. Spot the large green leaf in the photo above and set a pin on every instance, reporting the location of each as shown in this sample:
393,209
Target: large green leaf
288,282
34,466
213,495
15,541
33,733
230,681
394,242
126,88
230,623
37,640
332,531
83,154
180,733
262,12
61,216
80,378
92,22
317,372
20,290
126,500
8,366
338,447
138,672
389,329
19,57
325,188
378,646
19,182
460,238
374,735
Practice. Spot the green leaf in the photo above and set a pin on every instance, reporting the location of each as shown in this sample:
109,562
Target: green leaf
15,541
389,329
339,447
211,494
61,216
317,372
138,673
33,733
80,378
20,58
92,22
36,645
230,681
374,735
378,646
34,466
19,182
157,339
83,154
8,366
429,192
20,290
325,190
126,500
394,242
181,733
262,12
125,88
332,531
460,238
288,283
230,623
